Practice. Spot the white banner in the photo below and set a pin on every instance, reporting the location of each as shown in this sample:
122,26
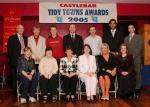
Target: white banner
76,12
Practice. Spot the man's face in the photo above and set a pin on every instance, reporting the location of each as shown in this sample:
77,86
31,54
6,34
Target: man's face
113,25
20,29
131,29
72,29
92,30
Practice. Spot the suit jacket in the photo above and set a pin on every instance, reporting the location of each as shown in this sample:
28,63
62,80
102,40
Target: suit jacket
14,48
76,44
38,50
135,47
113,42
87,64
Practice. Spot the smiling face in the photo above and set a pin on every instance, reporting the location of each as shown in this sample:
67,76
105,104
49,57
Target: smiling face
104,49
53,30
20,29
27,53
86,50
92,30
36,32
123,49
113,25
131,29
69,52
49,53
72,28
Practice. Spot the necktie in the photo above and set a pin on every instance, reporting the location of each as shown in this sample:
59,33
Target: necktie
130,38
22,44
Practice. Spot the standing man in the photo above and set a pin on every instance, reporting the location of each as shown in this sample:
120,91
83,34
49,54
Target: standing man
15,47
135,47
56,43
37,44
73,40
94,41
114,38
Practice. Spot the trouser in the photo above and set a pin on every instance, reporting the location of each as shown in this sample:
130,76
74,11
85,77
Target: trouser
48,85
90,84
14,79
70,84
28,85
137,67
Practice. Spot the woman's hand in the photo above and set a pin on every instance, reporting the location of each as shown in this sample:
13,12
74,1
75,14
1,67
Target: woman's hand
29,77
124,73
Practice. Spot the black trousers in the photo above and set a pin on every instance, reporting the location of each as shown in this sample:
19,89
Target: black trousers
48,85
14,79
28,85
70,84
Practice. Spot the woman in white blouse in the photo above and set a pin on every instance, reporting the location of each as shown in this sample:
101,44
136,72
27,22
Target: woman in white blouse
87,72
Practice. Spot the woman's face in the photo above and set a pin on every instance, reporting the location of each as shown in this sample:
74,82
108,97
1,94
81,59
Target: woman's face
49,53
104,50
69,53
27,53
86,50
123,49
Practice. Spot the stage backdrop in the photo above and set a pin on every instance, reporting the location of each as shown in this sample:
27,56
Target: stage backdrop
76,12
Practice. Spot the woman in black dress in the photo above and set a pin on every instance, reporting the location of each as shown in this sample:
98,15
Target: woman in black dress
126,74
107,69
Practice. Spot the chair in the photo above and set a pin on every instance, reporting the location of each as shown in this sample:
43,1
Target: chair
115,84
60,90
3,63
19,86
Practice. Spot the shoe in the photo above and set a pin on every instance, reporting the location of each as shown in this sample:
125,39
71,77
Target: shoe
44,99
73,100
67,98
54,98
32,99
106,99
23,101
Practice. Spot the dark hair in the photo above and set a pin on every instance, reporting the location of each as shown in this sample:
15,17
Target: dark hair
112,20
68,48
87,45
52,26
124,44
48,49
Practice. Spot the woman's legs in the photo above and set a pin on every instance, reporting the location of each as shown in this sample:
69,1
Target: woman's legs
102,85
93,86
107,86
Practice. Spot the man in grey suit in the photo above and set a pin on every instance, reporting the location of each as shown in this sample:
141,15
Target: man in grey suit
135,47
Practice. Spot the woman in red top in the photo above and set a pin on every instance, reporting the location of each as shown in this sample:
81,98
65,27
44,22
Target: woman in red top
55,42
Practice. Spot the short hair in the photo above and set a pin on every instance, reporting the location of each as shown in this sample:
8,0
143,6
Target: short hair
36,27
104,45
112,20
27,49
68,48
48,49
52,26
87,45
132,25
91,27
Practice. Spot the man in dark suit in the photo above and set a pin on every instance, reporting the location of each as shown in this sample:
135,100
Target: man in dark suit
113,37
135,47
73,40
15,46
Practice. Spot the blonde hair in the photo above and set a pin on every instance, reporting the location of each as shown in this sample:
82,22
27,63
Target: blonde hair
104,45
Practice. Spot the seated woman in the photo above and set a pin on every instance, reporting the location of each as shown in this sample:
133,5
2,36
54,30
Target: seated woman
68,69
48,79
27,76
87,72
126,74
107,69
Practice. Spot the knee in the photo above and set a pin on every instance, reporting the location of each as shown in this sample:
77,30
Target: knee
101,80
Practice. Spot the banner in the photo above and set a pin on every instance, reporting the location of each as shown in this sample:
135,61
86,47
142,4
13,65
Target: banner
76,12
11,20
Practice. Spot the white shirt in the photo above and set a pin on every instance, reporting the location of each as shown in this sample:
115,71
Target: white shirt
95,43
113,32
